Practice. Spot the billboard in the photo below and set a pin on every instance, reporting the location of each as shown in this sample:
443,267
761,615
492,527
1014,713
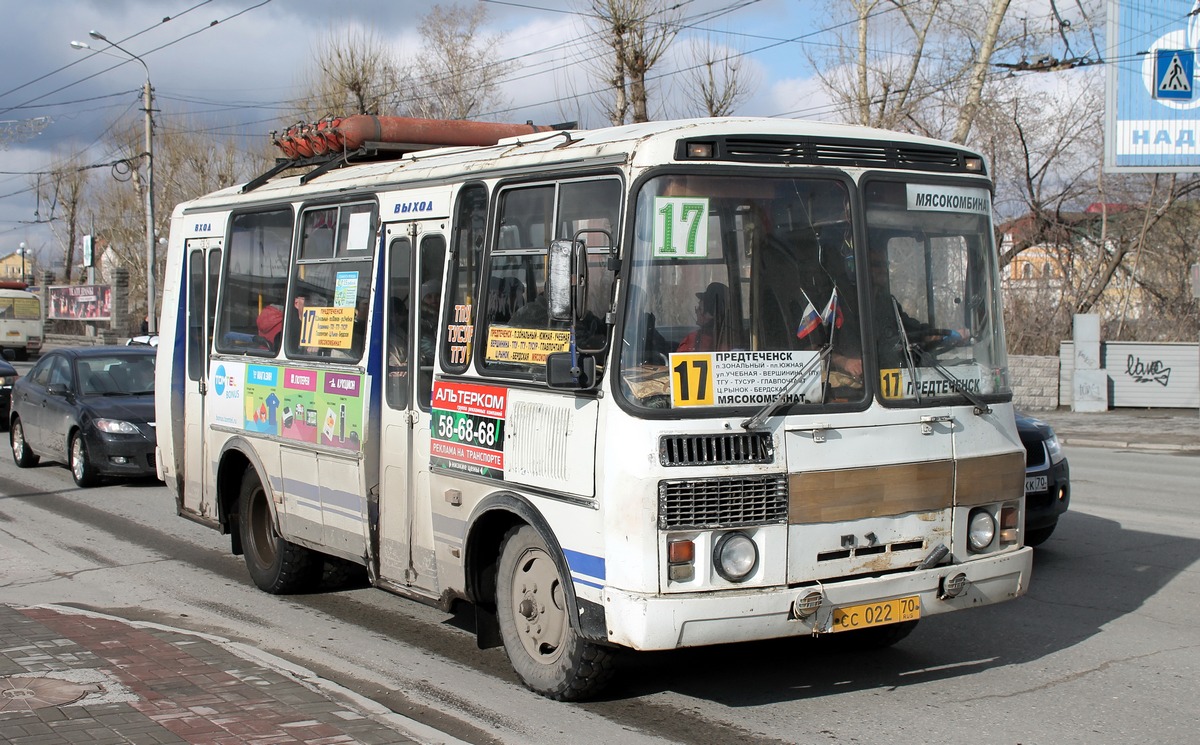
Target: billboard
1152,107
81,302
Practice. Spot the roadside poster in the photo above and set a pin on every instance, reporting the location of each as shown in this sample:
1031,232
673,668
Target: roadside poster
81,303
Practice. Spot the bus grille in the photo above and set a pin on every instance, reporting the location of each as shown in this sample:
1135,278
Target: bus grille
701,504
715,450
840,152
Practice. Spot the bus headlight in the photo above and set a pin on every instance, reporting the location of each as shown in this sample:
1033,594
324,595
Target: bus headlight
735,556
981,529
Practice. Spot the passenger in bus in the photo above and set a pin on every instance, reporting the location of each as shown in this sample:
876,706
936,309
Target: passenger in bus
712,318
269,324
397,355
891,319
431,298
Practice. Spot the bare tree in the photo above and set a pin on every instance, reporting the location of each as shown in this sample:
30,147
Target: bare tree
915,65
979,69
187,165
353,72
716,80
62,198
457,74
638,34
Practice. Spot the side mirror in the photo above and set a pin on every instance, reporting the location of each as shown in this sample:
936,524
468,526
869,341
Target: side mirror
9,354
566,280
58,389
569,370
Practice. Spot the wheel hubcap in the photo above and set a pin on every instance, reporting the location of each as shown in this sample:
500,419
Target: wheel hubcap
537,598
262,532
77,458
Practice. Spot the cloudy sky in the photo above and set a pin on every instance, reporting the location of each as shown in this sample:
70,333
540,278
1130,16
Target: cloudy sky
231,66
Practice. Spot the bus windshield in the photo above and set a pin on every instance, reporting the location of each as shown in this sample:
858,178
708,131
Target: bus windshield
746,291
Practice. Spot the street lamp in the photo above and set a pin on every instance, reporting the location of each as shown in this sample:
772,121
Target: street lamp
21,251
147,93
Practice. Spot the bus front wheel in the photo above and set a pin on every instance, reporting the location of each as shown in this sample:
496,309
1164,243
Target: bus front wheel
548,654
276,565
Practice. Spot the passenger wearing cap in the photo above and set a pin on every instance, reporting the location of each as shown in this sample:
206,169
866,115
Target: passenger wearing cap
270,323
712,315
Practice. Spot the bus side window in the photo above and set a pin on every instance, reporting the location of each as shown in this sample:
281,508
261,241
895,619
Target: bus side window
466,241
326,317
257,258
429,302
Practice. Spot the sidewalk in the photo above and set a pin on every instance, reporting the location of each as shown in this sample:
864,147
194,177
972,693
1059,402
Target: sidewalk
69,677
1175,430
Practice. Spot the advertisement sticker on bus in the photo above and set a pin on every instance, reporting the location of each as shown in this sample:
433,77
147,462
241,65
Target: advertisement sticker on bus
226,380
340,407
261,401
468,428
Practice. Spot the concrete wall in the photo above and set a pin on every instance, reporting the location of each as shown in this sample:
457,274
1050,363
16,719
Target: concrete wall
1143,375
1035,382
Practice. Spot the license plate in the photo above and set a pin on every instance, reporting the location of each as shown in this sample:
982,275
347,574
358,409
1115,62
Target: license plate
1036,484
876,614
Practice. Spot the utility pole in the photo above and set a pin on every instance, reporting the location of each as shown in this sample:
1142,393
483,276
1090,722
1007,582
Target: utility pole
148,101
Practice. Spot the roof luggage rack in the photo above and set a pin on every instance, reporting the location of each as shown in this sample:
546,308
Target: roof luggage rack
334,142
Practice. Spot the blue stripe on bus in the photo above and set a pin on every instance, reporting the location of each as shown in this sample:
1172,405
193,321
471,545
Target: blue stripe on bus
578,581
586,564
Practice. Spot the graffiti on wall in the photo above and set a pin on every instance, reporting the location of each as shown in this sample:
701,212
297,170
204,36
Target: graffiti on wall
1147,372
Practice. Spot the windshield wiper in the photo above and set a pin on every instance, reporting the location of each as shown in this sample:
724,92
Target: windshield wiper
907,349
911,349
801,375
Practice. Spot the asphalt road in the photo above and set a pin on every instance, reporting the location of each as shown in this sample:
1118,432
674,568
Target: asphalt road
1104,648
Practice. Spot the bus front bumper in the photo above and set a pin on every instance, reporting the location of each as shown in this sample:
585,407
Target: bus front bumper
647,622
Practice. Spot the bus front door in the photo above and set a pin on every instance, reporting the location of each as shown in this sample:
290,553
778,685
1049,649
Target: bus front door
204,269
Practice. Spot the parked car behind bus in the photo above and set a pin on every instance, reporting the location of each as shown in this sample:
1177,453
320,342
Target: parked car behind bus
1047,479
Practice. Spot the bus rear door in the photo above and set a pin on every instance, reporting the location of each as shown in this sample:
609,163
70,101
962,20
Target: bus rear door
406,548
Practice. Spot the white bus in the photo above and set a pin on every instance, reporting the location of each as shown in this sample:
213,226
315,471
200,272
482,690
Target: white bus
648,387
21,320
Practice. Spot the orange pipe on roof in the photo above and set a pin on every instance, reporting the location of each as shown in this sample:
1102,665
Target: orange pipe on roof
362,128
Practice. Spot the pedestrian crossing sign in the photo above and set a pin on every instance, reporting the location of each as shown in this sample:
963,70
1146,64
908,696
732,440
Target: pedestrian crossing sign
1173,73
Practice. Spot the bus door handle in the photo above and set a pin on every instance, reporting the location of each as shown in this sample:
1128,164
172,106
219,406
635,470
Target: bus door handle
817,430
929,420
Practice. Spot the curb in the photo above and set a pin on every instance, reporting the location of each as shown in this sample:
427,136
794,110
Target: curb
1125,445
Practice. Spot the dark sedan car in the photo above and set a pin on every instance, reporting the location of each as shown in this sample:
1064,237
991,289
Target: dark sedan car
91,408
1047,479
8,376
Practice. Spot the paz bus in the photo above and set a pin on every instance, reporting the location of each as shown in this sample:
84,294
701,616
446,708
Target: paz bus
20,320
655,386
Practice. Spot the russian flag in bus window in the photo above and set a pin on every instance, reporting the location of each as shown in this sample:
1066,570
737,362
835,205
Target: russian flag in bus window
832,315
809,322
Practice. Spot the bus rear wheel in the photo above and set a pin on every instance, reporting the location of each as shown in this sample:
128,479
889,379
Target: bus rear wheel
544,648
276,565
